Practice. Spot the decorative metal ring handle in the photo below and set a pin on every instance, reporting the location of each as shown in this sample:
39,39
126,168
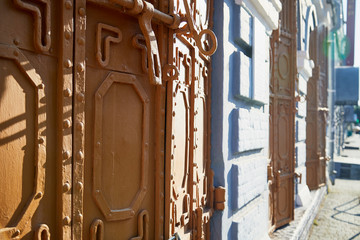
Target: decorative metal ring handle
213,41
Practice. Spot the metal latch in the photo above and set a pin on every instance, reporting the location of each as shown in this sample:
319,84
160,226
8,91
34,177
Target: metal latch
298,175
219,194
175,237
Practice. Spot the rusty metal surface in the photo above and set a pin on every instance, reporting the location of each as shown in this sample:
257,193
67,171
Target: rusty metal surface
316,113
282,118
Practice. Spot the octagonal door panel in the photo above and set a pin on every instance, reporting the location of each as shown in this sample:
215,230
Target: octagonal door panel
119,147
30,80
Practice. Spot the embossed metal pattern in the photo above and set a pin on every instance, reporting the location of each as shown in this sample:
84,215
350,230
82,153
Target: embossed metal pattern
282,118
316,113
189,179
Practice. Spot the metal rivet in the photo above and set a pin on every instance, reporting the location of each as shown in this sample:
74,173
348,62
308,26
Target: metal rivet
79,186
162,195
16,41
67,92
146,145
80,67
98,96
82,11
66,124
171,221
16,53
173,113
81,41
41,140
66,220
173,136
80,126
174,146
79,217
80,156
66,155
80,97
172,156
68,4
16,233
67,34
68,63
171,177
66,187
147,100
41,86
97,191
161,219
98,144
162,111
38,195
162,174
132,213
162,153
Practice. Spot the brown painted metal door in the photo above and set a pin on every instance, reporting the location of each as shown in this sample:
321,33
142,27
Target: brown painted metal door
282,117
316,113
117,168
189,189
34,176
312,121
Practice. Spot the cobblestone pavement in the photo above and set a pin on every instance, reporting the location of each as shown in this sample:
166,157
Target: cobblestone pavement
339,214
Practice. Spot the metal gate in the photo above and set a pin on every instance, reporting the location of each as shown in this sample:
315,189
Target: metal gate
110,101
282,117
316,113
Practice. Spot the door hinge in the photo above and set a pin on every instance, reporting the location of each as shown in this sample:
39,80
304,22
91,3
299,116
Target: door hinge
219,200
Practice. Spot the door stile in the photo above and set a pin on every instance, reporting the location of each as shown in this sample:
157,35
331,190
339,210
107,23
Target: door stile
64,122
160,104
79,118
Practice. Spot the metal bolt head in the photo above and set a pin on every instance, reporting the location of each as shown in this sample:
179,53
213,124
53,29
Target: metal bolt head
68,4
80,67
41,86
82,11
80,156
66,155
66,220
66,187
41,140
67,34
80,97
66,123
81,41
68,63
16,41
79,186
80,126
67,92
79,217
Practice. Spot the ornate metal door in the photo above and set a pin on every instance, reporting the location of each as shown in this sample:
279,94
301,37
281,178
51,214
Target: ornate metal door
35,173
118,104
189,190
83,91
316,113
282,117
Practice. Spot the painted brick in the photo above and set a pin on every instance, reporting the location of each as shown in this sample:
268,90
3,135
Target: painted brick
250,129
249,180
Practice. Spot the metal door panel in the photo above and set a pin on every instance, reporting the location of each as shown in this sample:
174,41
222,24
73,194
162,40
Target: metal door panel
282,118
119,164
316,113
32,132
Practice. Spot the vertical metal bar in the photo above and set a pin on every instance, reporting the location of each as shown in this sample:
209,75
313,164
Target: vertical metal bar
79,118
64,119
